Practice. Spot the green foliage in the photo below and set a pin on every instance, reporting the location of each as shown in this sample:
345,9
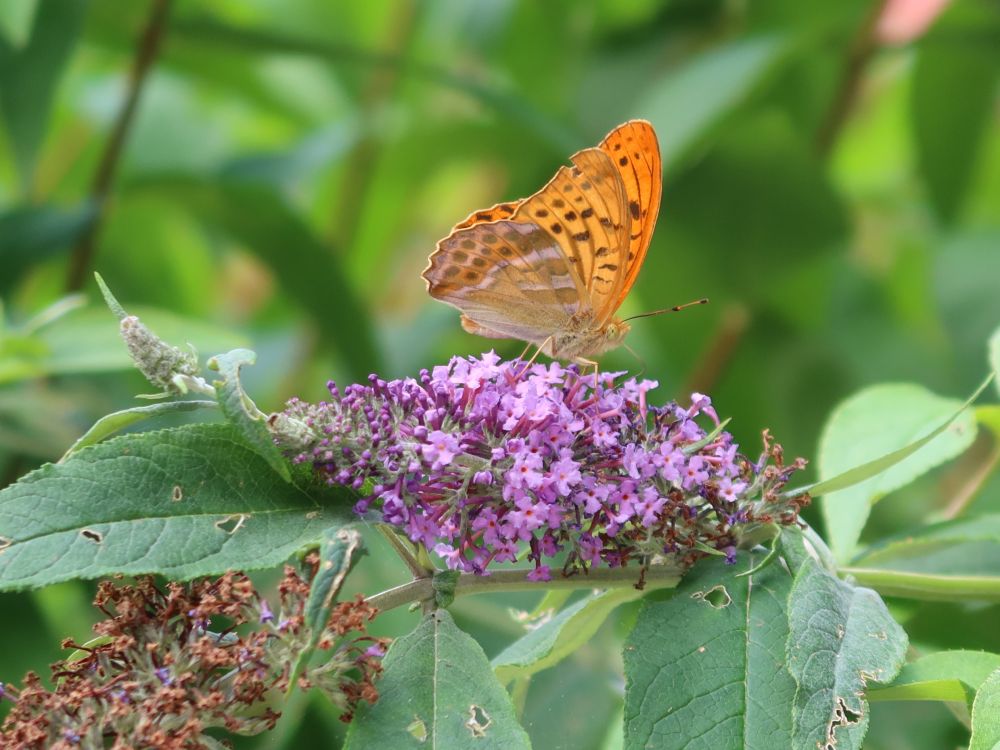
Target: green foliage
559,635
29,74
187,502
957,64
944,676
986,715
29,235
692,102
242,412
841,638
338,553
694,662
289,167
884,420
107,426
438,691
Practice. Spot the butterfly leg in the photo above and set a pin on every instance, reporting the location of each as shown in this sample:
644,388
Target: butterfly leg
533,356
584,362
526,349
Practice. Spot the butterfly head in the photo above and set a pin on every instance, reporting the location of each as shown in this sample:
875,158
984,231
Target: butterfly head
614,332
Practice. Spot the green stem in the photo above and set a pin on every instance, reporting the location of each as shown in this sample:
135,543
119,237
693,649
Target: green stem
420,589
859,54
925,586
417,570
145,55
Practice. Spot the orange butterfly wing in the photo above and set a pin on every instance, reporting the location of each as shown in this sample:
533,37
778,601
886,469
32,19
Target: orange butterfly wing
584,238
634,149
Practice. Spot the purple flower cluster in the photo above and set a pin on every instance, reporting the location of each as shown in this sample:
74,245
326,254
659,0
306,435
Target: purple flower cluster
487,462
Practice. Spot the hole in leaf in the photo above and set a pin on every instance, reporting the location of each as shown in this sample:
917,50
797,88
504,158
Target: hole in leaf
479,721
95,536
842,717
417,730
716,597
231,524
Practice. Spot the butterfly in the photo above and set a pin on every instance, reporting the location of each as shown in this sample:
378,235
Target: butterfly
553,269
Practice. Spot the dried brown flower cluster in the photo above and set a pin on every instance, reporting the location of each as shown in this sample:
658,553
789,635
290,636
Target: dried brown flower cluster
171,663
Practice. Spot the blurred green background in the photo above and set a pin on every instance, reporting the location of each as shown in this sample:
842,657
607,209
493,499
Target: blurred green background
274,175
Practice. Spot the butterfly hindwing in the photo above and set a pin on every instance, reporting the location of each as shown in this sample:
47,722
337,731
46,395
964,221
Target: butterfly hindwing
493,213
507,277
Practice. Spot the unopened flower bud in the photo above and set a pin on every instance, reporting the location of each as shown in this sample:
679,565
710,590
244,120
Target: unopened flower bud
166,367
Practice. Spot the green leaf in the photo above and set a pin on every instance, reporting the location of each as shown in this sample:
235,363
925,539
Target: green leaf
108,425
109,298
437,692
705,669
963,547
962,71
184,502
242,412
689,102
307,269
908,430
337,555
986,715
15,21
561,635
873,468
841,638
944,676
31,235
267,41
28,77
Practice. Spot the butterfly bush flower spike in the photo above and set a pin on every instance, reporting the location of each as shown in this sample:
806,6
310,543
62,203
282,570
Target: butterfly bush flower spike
488,462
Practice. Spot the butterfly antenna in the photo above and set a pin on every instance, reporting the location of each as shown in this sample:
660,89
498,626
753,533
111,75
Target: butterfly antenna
675,308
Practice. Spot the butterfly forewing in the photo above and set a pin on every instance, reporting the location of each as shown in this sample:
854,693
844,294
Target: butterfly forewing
507,277
635,151
583,208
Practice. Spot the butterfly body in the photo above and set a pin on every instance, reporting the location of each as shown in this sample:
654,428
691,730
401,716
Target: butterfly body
553,269
585,337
